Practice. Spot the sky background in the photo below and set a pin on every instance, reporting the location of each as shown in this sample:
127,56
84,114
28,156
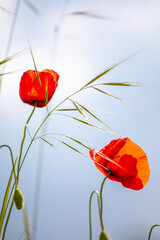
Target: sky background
79,47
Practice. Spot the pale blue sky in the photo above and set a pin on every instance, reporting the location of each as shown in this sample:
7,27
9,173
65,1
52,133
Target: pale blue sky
83,48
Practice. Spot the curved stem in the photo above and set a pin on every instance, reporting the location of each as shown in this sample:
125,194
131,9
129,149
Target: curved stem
155,225
90,218
101,201
23,139
12,160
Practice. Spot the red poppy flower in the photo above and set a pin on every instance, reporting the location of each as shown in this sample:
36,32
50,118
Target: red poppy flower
126,161
31,90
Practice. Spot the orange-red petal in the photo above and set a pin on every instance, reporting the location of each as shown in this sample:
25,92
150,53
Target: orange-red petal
32,90
133,170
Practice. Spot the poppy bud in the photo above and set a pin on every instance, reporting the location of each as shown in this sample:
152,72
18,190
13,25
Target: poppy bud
38,87
104,236
18,199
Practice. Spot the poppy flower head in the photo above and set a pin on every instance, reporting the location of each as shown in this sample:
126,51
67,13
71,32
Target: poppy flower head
39,88
126,161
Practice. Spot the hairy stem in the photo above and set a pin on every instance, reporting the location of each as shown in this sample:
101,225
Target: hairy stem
101,201
150,232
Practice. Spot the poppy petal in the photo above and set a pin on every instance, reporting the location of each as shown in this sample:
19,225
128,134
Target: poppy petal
128,164
38,89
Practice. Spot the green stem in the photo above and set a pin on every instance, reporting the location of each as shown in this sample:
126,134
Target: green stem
23,139
90,217
9,213
12,160
6,198
155,225
101,201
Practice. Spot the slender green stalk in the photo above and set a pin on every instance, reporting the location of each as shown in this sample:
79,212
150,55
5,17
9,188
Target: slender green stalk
23,139
90,217
155,225
18,169
101,201
6,198
11,159
9,213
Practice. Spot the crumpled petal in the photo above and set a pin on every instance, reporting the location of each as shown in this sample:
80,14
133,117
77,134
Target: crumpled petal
132,170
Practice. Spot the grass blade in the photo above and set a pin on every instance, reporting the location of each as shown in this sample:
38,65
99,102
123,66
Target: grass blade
87,110
38,75
107,70
11,57
84,122
7,73
48,142
79,110
66,109
89,14
71,138
119,84
111,95
75,149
